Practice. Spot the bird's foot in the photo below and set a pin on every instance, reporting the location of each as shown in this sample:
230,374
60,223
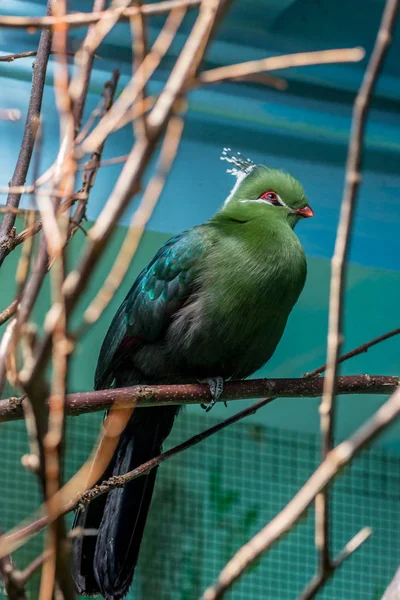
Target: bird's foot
216,385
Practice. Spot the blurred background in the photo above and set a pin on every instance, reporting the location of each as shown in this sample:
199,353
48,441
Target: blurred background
211,499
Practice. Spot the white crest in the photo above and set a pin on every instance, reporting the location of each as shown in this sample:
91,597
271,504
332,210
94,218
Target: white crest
241,168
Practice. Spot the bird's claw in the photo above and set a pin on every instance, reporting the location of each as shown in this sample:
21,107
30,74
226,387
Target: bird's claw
216,385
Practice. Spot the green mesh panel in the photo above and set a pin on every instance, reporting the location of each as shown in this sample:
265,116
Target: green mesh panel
212,498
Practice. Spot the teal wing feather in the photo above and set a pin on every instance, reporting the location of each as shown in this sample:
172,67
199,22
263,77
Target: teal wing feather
158,293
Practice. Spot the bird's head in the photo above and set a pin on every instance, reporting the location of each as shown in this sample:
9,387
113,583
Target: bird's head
263,193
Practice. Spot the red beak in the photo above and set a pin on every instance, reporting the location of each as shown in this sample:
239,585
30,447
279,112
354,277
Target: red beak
305,212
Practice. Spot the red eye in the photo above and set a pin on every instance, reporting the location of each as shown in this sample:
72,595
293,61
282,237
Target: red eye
271,196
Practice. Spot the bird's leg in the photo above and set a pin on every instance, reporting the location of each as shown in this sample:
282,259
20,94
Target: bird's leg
216,385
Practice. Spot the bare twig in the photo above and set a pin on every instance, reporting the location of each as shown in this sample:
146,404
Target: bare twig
356,351
339,265
30,131
139,53
27,54
275,63
56,570
8,312
93,165
145,468
81,19
321,578
161,395
34,566
37,226
79,93
13,584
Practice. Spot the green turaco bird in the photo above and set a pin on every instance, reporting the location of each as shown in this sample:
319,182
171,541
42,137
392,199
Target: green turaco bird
212,305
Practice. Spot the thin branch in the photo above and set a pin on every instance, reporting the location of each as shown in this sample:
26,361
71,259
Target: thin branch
37,226
8,312
356,351
30,131
81,19
56,571
274,63
339,264
79,93
139,53
93,165
317,583
145,468
13,584
298,506
34,566
264,79
27,54
195,393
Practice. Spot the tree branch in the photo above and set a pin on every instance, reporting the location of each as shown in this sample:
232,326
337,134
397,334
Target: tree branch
356,351
79,94
161,395
82,19
274,63
13,583
321,578
339,268
30,131
27,54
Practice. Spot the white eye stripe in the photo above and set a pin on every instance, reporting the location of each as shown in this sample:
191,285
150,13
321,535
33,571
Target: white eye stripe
258,201
265,201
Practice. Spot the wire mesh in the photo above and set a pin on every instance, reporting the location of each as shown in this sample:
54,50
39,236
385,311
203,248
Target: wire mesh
215,496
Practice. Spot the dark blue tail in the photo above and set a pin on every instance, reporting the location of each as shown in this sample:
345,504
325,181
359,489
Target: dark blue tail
104,564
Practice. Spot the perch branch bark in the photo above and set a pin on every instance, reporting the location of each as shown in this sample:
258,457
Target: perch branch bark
196,393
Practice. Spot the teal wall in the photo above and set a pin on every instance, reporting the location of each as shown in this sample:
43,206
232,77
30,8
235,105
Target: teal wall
211,499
